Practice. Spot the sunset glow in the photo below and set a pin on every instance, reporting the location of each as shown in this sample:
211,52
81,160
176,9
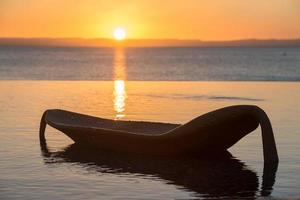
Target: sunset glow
143,19
119,34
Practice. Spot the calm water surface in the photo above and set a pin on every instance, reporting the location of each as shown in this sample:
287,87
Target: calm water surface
65,171
196,64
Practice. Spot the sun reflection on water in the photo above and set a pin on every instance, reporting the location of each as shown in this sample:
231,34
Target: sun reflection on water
119,84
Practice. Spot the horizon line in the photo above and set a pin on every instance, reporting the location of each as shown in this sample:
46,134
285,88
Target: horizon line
178,39
110,42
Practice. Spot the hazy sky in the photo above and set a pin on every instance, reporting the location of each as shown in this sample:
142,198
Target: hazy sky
182,19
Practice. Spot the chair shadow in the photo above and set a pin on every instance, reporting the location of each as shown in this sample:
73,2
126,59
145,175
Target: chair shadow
209,177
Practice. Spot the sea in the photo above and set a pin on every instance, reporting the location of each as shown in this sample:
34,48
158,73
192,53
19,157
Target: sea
166,84
151,64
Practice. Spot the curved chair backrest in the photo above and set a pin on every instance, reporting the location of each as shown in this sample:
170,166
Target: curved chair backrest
225,126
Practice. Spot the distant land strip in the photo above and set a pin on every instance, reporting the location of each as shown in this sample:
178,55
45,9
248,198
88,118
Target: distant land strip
100,42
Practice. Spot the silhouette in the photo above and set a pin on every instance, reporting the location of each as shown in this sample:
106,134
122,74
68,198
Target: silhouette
210,177
210,134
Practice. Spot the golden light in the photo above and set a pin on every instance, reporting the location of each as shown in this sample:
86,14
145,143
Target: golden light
120,96
119,34
119,83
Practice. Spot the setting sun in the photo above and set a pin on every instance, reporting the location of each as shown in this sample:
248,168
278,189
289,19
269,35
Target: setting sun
119,34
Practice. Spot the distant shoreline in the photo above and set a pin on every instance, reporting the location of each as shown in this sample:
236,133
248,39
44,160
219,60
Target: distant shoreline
100,42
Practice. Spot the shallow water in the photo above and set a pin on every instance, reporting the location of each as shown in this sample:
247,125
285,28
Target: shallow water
69,172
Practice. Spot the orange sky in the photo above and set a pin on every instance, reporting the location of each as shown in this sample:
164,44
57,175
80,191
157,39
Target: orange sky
181,19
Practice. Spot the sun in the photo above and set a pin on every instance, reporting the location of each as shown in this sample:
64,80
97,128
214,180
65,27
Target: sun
119,34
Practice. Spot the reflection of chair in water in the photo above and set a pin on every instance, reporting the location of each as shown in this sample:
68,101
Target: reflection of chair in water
209,177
